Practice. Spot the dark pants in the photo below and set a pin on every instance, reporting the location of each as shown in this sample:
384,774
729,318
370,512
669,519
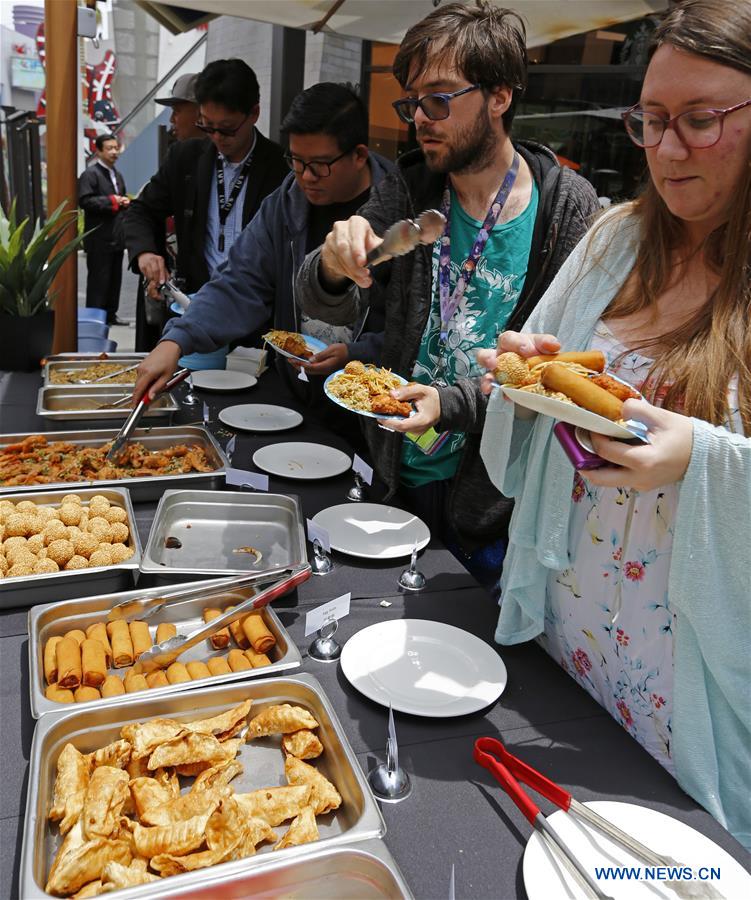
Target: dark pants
104,275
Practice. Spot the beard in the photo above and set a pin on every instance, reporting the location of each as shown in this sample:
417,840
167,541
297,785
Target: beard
470,150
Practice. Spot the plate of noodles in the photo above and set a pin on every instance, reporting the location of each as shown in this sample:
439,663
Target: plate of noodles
294,345
365,390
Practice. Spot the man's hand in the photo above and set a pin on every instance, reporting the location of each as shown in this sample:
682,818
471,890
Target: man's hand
154,271
344,253
334,357
155,371
123,202
427,402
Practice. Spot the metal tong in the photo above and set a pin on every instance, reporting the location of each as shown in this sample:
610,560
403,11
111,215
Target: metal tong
170,290
162,655
133,419
403,236
509,770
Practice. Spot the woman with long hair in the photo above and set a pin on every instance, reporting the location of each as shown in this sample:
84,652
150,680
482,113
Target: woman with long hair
636,577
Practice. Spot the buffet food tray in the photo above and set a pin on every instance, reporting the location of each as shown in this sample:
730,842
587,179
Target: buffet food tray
146,487
72,362
358,818
217,532
27,590
65,402
58,618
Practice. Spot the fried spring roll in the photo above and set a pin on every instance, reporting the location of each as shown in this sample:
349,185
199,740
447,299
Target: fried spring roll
77,635
590,359
237,660
136,683
141,638
218,665
93,663
177,673
68,656
59,695
86,693
158,678
582,391
122,646
259,636
257,660
237,633
165,631
50,659
198,670
98,632
220,639
112,686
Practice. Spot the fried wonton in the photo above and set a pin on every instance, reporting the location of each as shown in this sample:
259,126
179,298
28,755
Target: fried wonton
92,889
276,804
303,830
116,876
177,839
324,796
104,800
147,736
217,775
148,793
280,719
223,726
138,768
116,754
302,744
70,788
169,780
186,807
85,864
193,748
73,839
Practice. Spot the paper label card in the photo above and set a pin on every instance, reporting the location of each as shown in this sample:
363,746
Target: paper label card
363,469
243,478
320,534
327,612
205,413
230,448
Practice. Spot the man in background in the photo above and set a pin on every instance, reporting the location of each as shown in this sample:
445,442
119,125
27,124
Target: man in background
182,101
101,196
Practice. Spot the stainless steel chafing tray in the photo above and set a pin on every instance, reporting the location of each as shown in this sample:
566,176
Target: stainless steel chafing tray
357,819
83,403
26,590
142,487
216,532
78,362
185,611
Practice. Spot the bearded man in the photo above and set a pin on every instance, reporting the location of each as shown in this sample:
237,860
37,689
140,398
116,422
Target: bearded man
513,216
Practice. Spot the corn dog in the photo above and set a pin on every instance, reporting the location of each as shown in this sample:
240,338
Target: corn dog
582,391
589,359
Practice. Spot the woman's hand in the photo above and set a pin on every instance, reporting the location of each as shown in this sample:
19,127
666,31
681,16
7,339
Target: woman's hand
334,357
525,345
426,401
645,466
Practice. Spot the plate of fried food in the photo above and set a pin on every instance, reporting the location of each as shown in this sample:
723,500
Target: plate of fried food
365,390
293,345
571,387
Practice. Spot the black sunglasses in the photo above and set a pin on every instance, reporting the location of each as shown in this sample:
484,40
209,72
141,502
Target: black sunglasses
318,168
224,132
434,106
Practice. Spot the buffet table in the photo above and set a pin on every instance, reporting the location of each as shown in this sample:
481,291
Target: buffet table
457,814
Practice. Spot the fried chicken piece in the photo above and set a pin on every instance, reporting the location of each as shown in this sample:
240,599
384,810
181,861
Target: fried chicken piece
295,345
615,387
387,405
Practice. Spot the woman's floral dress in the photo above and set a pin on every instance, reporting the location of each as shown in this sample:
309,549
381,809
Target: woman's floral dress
608,621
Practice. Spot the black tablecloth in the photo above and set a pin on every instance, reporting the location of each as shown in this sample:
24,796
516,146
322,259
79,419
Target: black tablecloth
456,814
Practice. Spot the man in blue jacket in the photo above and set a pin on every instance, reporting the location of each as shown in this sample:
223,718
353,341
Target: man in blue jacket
332,174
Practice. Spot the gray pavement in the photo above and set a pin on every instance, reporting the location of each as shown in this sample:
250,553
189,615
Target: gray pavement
124,335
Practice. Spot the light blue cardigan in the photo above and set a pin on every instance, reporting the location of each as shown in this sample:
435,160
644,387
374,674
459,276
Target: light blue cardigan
710,582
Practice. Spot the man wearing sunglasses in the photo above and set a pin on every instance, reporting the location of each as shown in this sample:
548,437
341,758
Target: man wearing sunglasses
331,175
513,216
213,188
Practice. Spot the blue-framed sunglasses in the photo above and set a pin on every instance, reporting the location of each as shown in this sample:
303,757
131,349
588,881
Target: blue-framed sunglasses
434,106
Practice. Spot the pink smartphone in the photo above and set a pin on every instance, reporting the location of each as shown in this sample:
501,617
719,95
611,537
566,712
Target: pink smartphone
580,456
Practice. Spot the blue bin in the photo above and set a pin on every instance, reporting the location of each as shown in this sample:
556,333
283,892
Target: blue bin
217,359
92,314
93,330
96,345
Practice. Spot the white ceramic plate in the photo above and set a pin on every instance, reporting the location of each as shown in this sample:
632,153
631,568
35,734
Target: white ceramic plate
223,380
373,531
260,417
314,345
545,876
360,412
423,667
567,412
301,460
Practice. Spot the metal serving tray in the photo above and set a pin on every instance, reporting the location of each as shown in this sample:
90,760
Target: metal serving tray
147,487
77,362
26,590
211,526
81,403
185,612
357,819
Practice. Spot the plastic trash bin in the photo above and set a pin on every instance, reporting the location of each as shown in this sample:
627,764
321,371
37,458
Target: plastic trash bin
93,330
96,345
91,314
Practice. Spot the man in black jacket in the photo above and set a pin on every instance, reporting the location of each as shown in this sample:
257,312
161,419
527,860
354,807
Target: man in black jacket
213,189
101,196
513,216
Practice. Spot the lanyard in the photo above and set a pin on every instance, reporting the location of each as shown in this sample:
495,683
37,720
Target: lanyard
225,206
450,303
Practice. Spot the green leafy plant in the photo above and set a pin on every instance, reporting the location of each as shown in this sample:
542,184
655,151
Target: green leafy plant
28,266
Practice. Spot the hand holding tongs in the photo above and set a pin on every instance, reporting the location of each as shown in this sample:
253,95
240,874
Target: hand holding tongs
162,655
126,431
402,237
509,770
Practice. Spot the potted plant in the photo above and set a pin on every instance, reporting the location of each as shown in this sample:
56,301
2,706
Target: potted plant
28,266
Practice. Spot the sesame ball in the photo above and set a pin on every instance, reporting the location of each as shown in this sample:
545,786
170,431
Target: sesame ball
2,532
17,525
119,533
85,545
11,542
60,551
100,558
36,525
35,543
77,562
120,553
54,531
74,532
98,505
3,565
26,506
46,567
116,514
101,532
7,506
70,513
20,556
46,514
20,571
70,498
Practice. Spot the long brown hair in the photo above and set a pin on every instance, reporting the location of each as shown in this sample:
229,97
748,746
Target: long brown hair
701,356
